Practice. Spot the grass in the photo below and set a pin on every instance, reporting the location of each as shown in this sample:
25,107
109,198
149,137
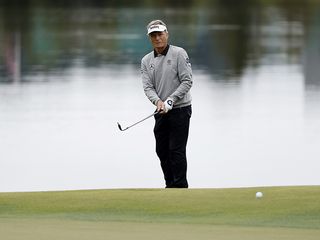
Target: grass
288,211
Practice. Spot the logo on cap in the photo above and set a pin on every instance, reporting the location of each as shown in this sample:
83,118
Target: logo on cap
152,27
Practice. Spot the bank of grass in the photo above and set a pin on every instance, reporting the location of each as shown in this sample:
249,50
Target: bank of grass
290,207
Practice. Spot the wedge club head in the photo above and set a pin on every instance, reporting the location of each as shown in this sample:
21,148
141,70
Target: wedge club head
119,126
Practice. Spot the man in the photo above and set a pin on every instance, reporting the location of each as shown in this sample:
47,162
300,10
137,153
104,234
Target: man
167,78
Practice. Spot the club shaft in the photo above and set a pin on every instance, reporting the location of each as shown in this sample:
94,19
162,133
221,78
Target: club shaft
141,120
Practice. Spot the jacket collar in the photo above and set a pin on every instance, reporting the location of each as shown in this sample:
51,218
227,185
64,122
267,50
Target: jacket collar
164,52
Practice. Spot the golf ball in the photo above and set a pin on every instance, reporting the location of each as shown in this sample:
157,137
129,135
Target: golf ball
259,195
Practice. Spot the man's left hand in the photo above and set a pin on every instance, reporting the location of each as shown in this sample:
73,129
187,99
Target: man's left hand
168,104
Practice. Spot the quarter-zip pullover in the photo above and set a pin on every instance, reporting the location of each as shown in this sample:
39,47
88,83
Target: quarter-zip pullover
167,75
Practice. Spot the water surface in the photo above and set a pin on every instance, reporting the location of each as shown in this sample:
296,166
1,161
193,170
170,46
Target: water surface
69,74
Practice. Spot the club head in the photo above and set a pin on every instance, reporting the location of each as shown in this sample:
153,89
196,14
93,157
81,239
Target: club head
119,126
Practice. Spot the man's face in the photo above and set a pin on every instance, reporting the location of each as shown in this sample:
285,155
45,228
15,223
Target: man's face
159,39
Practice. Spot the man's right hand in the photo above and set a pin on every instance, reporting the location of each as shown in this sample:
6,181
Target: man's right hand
160,107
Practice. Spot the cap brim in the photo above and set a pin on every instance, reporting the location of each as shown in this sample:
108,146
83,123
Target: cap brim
156,28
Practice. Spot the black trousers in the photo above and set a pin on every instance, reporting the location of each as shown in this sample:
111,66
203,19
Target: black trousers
171,132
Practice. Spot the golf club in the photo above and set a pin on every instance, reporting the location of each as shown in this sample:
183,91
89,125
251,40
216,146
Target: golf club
123,129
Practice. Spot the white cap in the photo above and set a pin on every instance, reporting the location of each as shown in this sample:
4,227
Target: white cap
156,28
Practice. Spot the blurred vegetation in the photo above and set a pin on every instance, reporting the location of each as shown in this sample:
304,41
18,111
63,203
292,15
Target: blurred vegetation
139,3
221,36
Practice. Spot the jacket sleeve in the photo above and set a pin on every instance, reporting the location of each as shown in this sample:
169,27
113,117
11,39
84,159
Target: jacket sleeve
185,76
147,83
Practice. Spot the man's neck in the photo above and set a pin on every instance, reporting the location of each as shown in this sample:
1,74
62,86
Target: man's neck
162,51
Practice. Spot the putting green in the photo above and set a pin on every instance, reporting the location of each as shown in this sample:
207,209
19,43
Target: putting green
283,213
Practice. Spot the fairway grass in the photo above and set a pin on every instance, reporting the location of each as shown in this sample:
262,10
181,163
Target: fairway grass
32,229
283,213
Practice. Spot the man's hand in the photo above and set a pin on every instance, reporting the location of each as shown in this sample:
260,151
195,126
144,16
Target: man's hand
160,106
168,104
164,107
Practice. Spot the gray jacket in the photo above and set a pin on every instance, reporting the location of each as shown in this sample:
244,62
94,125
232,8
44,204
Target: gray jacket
168,75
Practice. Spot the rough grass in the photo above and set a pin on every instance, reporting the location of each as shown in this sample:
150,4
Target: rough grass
290,207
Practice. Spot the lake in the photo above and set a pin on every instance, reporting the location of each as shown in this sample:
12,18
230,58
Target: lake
69,73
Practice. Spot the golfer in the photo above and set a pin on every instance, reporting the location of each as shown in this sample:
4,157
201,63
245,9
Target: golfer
167,78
